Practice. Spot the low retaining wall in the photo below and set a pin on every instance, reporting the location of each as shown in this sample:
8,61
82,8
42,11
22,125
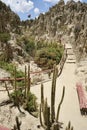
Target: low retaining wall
82,99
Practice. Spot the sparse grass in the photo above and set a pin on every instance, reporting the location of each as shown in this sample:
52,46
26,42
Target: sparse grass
10,68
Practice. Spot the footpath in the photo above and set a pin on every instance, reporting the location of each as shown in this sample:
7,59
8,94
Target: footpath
70,110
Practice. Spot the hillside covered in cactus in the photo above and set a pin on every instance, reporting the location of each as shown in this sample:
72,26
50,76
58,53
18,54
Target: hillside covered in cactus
62,21
9,21
42,61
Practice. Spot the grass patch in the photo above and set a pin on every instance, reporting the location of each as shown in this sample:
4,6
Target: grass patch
9,67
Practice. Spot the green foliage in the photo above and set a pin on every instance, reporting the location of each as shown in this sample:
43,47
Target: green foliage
30,47
8,53
27,43
31,105
4,37
10,68
7,66
47,57
18,98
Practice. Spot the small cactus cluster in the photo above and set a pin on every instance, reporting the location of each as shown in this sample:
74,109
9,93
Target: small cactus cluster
21,96
26,80
69,127
50,121
26,87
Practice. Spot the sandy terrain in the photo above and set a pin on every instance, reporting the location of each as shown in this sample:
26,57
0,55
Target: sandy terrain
70,108
8,114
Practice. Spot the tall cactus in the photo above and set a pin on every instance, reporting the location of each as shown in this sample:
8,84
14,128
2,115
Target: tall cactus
29,80
53,90
42,97
15,87
49,120
59,106
25,82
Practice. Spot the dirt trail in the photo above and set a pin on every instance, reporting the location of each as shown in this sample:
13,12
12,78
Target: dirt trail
70,109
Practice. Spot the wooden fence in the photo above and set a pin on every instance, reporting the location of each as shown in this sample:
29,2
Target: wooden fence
60,68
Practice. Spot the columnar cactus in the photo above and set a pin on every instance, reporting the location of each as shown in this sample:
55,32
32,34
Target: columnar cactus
53,94
25,82
29,80
42,97
49,120
58,111
15,87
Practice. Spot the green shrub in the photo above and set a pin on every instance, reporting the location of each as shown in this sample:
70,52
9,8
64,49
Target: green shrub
18,98
31,105
7,66
8,53
47,57
4,37
30,47
10,68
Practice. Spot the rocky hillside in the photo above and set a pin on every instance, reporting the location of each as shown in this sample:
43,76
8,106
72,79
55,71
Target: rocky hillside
61,22
9,21
10,30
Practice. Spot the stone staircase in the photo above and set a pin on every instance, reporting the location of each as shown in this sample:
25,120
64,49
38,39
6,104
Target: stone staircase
70,54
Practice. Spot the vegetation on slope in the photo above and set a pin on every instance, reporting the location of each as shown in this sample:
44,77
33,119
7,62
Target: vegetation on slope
44,54
48,56
9,20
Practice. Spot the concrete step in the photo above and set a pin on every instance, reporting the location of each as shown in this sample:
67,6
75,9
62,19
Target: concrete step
69,62
70,53
68,48
70,59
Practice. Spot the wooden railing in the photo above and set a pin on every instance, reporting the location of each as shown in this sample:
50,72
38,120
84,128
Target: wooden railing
60,68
